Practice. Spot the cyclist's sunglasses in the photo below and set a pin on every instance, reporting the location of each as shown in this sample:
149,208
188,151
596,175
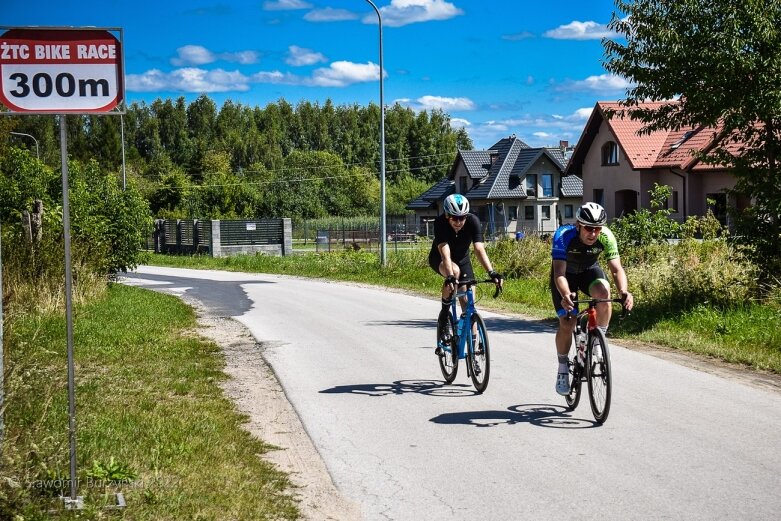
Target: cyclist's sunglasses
457,217
593,229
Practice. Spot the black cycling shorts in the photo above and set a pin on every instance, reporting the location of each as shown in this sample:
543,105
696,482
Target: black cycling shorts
465,265
577,282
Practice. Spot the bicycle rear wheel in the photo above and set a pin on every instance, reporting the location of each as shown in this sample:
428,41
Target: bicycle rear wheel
599,375
478,356
573,398
448,359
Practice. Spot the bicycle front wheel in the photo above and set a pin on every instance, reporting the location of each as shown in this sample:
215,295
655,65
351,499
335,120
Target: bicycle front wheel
448,351
479,358
599,375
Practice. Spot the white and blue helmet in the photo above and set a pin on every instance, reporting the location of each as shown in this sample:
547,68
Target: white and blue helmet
456,205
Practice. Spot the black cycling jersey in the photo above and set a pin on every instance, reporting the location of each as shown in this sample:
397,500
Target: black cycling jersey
459,242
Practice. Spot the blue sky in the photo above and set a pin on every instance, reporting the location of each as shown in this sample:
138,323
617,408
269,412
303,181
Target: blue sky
498,67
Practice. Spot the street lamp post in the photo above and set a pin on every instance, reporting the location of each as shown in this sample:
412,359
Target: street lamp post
383,232
37,150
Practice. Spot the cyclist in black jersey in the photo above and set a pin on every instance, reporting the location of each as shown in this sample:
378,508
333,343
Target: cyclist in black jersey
575,267
454,231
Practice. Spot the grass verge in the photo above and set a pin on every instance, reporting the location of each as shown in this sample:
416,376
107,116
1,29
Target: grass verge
153,422
748,335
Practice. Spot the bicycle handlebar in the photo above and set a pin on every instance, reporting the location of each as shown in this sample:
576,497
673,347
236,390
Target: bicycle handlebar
594,301
474,282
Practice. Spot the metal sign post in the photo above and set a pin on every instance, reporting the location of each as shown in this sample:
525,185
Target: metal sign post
2,367
63,70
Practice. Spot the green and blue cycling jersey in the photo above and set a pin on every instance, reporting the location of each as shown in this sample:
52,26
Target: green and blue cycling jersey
568,247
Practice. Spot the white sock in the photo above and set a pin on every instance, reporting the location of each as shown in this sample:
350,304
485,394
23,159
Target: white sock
603,329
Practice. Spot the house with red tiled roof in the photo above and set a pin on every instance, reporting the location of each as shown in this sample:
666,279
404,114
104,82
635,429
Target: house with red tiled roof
512,187
619,167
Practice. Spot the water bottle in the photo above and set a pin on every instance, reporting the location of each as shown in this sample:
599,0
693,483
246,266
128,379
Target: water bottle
581,347
461,321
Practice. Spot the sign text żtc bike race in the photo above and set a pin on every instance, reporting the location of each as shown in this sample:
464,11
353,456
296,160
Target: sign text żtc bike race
62,70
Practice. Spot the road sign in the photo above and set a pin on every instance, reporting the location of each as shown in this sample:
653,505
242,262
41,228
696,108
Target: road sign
61,70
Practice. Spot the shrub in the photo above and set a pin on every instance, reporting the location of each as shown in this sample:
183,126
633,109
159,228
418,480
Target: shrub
675,277
529,257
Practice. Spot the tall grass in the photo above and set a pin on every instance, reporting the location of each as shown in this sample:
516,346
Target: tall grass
34,275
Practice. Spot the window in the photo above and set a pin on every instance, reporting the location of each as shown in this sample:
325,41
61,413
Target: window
676,208
547,185
546,212
462,185
599,196
568,211
531,185
528,213
610,153
717,203
513,213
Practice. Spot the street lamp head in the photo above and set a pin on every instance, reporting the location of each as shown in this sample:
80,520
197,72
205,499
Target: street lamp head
37,150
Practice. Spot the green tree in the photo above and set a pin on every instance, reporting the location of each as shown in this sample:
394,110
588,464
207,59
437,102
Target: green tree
644,227
721,59
24,179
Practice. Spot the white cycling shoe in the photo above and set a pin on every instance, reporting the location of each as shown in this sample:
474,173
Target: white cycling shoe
562,383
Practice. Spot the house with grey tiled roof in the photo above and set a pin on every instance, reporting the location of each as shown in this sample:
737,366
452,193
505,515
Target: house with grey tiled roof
511,187
619,167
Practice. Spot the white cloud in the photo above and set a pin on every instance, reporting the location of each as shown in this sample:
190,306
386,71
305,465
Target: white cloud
286,5
584,113
192,79
193,55
278,78
581,31
602,83
199,55
298,56
188,79
446,104
536,130
459,123
343,73
329,14
404,12
437,102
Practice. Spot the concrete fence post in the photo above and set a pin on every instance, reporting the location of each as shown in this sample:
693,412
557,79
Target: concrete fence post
215,247
287,236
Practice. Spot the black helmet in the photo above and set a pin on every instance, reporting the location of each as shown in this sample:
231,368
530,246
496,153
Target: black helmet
591,214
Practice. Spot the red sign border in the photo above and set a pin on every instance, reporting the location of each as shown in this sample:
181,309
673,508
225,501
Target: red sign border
116,106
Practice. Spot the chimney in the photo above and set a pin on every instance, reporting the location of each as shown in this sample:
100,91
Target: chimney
563,144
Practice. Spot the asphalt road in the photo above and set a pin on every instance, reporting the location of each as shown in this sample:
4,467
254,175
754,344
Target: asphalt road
357,364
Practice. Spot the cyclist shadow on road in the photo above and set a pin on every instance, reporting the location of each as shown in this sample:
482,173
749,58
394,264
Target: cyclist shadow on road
493,323
426,387
540,415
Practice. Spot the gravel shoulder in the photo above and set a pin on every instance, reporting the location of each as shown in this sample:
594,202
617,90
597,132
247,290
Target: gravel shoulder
255,390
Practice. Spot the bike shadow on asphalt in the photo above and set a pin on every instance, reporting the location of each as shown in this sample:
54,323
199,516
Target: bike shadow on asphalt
539,415
399,387
499,324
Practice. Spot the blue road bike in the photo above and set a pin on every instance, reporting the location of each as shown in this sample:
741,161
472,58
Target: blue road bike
465,337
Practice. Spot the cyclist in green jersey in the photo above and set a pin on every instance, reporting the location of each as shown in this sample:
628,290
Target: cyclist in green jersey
575,267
